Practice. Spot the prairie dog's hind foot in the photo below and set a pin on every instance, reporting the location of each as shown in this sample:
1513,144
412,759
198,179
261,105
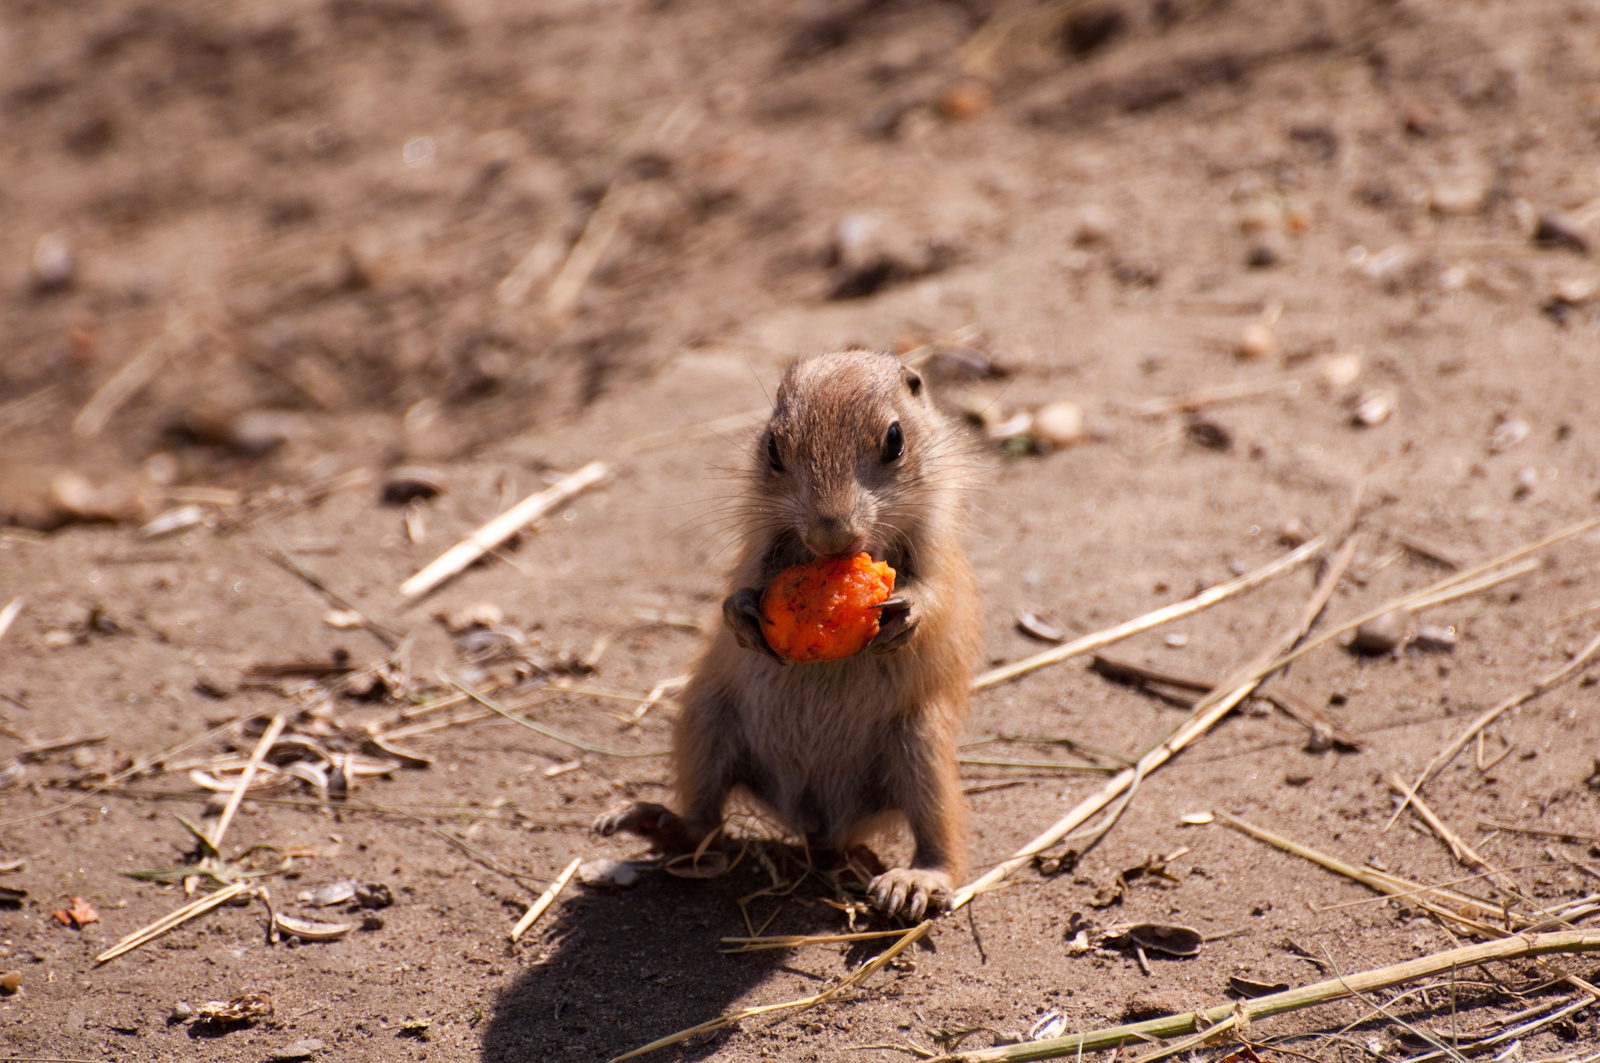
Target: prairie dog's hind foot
911,891
666,830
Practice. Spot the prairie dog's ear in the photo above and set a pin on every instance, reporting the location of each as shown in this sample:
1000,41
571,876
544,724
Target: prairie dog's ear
913,381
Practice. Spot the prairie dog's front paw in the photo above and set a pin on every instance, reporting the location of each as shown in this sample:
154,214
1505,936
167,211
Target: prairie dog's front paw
742,611
897,622
910,891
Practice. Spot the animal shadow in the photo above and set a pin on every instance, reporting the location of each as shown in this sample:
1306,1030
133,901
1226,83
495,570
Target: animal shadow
620,968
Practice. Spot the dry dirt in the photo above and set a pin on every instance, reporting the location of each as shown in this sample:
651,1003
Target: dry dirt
321,239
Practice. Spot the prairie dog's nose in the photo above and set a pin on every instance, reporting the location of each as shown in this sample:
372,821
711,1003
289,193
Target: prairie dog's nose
827,535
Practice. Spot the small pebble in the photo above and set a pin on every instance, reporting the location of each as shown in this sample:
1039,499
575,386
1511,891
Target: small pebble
257,433
1293,533
1176,640
297,1050
1576,292
10,982
1527,480
1096,225
1264,254
1373,409
1435,639
372,921
1383,633
1058,424
374,895
54,265
1557,229
1018,424
1209,434
604,872
1341,370
1260,214
1257,342
1508,435
1462,196
410,483
965,98
181,1012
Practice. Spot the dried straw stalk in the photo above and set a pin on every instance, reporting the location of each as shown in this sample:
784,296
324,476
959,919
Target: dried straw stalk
869,969
546,899
501,528
1207,711
1204,600
1445,755
1219,1024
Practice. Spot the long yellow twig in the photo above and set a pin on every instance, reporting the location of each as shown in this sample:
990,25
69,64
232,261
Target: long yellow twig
1445,755
1204,600
1207,711
1218,1022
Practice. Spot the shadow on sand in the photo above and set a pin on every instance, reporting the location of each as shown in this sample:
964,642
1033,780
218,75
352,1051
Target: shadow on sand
630,966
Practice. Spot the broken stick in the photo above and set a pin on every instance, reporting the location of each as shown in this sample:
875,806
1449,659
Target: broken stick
1204,600
1211,708
503,527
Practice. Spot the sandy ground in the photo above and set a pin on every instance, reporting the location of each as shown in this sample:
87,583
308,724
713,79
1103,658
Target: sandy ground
258,258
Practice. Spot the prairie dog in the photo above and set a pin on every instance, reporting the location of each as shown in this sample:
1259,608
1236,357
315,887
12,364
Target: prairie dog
855,458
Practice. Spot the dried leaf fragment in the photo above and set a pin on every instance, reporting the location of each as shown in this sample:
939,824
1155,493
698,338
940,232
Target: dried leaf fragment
247,1007
310,930
1251,989
80,915
1159,937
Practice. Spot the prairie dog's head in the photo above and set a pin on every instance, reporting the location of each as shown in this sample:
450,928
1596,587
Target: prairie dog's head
855,457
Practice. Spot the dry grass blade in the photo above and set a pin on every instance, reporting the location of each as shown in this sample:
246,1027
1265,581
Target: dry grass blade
1211,708
173,919
1477,578
1192,401
546,899
1459,849
562,295
136,768
129,380
1446,904
286,561
1037,765
794,941
575,743
1514,1033
268,737
717,429
1464,911
1204,600
871,968
1218,1022
8,615
501,528
1456,745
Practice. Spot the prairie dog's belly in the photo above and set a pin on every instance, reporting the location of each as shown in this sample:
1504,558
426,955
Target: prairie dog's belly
816,738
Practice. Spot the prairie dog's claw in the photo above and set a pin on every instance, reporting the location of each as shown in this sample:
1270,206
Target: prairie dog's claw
910,891
642,817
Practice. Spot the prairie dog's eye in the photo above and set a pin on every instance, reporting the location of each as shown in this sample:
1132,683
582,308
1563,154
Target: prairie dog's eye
894,443
774,459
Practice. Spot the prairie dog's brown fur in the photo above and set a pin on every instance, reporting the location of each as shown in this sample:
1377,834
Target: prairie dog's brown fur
854,458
